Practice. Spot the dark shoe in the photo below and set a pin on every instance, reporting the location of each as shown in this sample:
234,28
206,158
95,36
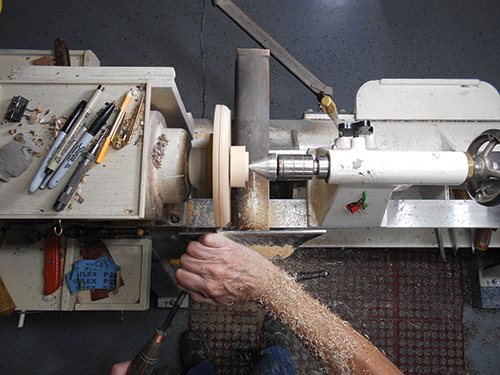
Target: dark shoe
194,350
275,333
247,356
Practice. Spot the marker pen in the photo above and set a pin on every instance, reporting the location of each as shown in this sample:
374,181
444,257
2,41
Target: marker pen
76,131
82,144
88,159
40,175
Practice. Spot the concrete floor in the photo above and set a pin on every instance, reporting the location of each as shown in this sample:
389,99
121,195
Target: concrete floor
344,42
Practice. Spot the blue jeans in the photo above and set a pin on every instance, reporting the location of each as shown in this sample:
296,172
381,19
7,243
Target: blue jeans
274,360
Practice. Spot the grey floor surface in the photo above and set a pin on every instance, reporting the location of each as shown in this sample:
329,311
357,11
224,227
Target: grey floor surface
344,42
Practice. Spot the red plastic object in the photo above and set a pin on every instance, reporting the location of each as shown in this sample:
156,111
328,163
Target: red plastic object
52,271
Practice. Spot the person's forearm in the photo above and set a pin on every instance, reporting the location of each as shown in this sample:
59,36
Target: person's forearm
342,349
219,271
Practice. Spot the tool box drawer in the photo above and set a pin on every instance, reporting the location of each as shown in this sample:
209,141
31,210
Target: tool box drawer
22,270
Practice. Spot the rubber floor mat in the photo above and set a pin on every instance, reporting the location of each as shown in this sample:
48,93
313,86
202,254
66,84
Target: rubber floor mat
407,302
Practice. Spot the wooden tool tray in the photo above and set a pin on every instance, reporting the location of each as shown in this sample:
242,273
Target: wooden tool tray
115,189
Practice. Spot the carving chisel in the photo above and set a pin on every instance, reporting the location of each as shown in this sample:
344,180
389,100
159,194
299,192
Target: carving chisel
146,360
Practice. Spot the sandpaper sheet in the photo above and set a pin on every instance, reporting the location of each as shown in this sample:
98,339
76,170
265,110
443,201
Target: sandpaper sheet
96,250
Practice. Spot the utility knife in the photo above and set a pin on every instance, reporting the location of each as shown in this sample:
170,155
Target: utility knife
53,255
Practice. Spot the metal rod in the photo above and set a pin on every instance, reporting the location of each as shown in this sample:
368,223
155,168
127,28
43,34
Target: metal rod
171,314
277,51
250,206
302,276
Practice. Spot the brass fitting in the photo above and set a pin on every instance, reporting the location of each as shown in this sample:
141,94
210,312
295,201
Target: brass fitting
330,108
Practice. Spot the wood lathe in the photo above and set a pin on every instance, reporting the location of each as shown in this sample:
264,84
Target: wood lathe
416,159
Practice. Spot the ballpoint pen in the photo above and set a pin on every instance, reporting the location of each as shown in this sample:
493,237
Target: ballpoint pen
81,145
88,159
40,175
75,132
116,124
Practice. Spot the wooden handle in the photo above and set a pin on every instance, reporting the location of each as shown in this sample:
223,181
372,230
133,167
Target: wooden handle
144,363
482,240
61,50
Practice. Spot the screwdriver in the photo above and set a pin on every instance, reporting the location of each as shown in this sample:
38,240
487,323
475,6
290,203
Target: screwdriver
146,360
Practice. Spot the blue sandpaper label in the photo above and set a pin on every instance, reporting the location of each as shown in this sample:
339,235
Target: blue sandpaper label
93,274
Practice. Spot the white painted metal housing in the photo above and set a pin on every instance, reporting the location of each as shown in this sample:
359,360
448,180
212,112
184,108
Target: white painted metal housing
359,165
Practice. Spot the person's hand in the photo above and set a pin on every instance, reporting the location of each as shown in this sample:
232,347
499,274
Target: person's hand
120,368
217,270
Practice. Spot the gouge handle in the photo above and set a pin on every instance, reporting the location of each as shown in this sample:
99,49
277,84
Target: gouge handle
146,360
482,239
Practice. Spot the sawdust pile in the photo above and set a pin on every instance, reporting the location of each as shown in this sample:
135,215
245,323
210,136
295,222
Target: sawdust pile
327,336
252,205
191,211
196,214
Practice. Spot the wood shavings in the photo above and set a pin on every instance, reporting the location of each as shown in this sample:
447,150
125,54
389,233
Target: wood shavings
326,335
159,151
38,141
78,196
139,133
58,121
140,130
32,119
53,121
53,132
43,61
192,211
55,124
